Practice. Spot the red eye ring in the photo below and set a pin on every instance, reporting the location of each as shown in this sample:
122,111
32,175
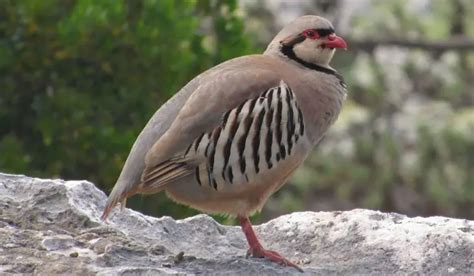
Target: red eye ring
312,34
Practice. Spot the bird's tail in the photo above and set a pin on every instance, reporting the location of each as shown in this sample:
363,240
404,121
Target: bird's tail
120,193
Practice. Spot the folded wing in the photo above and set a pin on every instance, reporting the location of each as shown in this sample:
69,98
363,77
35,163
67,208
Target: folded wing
249,138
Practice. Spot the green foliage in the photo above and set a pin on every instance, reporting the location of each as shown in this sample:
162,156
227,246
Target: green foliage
439,183
433,175
80,78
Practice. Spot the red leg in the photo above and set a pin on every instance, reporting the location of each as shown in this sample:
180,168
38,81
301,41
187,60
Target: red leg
257,250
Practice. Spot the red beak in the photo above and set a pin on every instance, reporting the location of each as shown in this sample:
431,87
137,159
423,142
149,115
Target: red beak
335,42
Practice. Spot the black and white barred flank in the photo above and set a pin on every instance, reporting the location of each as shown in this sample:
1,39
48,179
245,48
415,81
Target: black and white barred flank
252,137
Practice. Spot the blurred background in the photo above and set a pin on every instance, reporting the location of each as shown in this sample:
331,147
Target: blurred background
80,78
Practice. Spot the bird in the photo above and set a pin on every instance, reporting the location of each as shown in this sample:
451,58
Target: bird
233,135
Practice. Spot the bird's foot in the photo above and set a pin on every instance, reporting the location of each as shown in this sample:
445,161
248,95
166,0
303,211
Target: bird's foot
273,256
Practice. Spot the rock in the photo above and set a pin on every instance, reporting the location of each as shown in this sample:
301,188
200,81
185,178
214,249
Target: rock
53,227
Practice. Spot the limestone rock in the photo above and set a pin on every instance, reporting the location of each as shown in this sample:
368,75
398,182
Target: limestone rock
53,226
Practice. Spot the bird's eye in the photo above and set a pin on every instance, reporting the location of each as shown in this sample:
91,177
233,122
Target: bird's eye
311,34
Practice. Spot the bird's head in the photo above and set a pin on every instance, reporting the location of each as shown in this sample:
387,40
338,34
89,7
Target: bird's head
310,39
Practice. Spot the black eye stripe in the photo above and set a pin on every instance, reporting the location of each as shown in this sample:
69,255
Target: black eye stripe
325,32
322,32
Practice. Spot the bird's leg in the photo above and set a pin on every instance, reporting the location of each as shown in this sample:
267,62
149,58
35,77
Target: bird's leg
257,250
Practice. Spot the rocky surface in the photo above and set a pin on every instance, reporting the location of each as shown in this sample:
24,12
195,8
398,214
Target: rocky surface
53,226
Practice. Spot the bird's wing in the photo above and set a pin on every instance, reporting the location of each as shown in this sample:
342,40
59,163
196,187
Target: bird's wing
256,131
200,122
130,176
218,91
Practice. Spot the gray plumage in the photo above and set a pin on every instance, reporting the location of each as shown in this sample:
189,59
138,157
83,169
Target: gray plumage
234,134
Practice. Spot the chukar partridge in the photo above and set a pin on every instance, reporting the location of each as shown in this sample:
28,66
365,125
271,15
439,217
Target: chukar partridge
234,134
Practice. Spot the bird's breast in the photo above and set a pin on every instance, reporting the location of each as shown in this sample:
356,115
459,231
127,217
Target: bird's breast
321,101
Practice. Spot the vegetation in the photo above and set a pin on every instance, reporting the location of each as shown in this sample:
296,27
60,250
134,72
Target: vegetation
80,79
409,119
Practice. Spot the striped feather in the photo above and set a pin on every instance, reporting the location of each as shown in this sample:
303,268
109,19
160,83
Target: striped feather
253,137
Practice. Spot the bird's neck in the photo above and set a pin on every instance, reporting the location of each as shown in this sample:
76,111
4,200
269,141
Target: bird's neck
288,52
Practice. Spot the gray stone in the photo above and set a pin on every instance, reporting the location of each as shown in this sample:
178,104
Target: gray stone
53,227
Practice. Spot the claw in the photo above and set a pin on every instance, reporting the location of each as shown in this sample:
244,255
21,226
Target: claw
256,249
273,257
